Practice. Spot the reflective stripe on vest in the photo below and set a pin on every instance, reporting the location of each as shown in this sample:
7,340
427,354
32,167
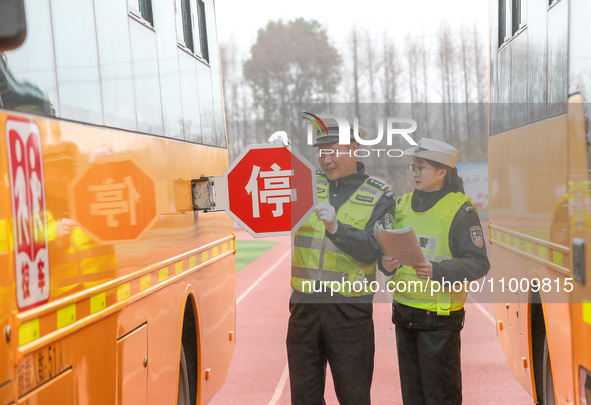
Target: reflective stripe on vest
432,230
316,258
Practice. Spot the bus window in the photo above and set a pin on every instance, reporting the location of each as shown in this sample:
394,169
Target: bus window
13,26
580,57
557,55
147,81
114,51
142,9
28,72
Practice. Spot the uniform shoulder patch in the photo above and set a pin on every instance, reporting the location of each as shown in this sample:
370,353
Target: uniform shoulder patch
477,237
377,184
389,194
468,208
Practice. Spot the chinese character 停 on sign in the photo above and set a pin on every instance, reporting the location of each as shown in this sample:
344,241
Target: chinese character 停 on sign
276,189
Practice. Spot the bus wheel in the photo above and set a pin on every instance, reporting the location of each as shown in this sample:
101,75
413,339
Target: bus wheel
183,397
549,396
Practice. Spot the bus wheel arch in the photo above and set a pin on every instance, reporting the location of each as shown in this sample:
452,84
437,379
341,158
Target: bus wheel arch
189,355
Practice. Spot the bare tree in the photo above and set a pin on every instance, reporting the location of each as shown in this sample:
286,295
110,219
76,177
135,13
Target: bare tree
424,61
412,60
479,55
480,71
354,46
371,65
466,74
231,84
445,65
390,74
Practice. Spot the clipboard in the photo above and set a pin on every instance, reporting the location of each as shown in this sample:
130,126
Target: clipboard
401,244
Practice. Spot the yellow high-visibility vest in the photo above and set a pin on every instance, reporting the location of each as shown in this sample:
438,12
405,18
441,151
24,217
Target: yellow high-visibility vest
432,230
316,258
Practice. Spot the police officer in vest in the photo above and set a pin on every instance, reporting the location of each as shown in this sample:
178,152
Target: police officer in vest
428,307
333,266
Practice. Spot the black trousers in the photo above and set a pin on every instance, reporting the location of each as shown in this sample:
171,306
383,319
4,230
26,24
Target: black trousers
429,360
343,335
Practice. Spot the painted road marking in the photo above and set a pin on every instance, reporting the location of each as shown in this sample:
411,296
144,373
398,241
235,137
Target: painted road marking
280,387
245,293
484,311
283,380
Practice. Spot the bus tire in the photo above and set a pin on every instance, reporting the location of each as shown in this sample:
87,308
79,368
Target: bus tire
189,351
183,397
548,384
538,339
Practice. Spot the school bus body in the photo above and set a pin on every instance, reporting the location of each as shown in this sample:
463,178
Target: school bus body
113,289
540,204
89,346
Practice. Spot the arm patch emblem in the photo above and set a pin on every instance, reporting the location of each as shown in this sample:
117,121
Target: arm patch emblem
389,221
476,235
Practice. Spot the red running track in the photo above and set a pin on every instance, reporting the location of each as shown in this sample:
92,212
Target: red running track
258,373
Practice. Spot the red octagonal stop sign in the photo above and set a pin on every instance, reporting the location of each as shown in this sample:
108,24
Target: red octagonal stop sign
271,189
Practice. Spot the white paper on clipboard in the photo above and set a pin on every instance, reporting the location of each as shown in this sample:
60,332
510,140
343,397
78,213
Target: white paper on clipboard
401,244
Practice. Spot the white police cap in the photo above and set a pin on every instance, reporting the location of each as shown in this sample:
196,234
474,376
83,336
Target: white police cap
435,150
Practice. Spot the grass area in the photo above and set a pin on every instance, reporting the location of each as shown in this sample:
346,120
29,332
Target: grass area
248,250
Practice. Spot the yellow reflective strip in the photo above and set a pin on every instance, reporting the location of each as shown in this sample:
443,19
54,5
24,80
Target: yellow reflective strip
66,316
529,247
98,302
543,252
586,312
214,251
204,256
507,239
557,257
224,248
123,291
516,242
145,282
192,261
178,267
162,274
28,332
233,244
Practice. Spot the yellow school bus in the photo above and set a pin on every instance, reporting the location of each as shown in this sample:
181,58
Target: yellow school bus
540,201
117,286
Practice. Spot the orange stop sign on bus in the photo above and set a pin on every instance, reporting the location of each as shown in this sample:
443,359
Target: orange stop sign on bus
114,201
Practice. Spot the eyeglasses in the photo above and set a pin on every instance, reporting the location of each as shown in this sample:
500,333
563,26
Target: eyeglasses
415,170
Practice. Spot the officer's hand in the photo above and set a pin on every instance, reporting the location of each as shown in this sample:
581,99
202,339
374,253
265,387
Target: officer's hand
327,214
279,137
424,270
390,263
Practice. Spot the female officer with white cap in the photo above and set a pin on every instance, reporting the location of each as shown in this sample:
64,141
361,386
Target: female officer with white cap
428,321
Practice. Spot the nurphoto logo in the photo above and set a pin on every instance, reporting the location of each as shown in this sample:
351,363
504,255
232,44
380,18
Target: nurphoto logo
346,134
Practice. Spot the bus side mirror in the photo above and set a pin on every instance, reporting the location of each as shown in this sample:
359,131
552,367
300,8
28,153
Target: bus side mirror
13,25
